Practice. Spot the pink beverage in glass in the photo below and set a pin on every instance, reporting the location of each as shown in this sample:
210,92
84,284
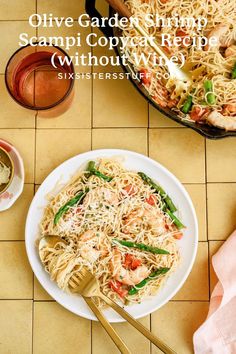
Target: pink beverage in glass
35,83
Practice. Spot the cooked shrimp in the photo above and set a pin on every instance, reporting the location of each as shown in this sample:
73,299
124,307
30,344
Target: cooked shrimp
230,109
218,32
92,245
147,217
230,51
126,276
224,122
99,195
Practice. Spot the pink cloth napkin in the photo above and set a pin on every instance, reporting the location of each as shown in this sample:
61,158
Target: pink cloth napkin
217,335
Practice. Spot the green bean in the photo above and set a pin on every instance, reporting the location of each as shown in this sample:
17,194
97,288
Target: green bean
152,276
77,199
141,246
176,221
159,190
233,75
187,104
210,96
91,168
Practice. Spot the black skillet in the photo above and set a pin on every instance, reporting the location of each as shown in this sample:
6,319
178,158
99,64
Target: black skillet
203,129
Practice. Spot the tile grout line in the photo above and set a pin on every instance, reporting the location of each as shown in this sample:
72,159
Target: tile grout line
208,244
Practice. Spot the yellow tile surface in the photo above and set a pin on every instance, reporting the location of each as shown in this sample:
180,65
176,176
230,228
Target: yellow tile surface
16,10
57,330
62,9
176,322
16,327
214,246
78,115
158,120
137,343
12,114
130,139
9,45
39,292
12,221
102,7
197,193
118,104
16,277
181,151
59,147
196,286
221,160
221,210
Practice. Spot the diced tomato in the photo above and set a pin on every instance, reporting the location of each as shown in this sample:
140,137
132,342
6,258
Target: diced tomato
131,262
167,227
129,189
181,33
79,209
160,101
172,103
166,49
116,286
145,76
151,200
197,114
178,235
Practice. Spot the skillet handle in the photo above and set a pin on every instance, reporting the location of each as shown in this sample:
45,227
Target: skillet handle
91,10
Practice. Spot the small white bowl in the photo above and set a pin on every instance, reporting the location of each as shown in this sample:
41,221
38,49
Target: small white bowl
15,188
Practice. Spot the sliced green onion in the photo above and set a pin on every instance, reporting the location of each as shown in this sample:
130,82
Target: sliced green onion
210,96
187,104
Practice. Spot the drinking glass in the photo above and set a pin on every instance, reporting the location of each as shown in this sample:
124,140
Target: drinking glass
36,84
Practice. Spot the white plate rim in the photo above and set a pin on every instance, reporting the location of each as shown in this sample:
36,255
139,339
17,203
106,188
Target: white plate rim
112,152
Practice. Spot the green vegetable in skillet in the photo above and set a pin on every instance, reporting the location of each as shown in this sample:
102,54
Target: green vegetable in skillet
210,96
170,205
91,168
141,246
152,276
187,104
77,199
233,74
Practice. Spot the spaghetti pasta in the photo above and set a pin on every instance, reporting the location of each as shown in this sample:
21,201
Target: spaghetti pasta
120,231
216,62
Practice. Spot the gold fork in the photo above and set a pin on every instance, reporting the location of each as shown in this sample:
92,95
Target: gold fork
50,242
85,284
102,319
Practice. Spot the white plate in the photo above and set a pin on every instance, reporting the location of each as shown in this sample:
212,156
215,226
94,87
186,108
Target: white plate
9,197
136,162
